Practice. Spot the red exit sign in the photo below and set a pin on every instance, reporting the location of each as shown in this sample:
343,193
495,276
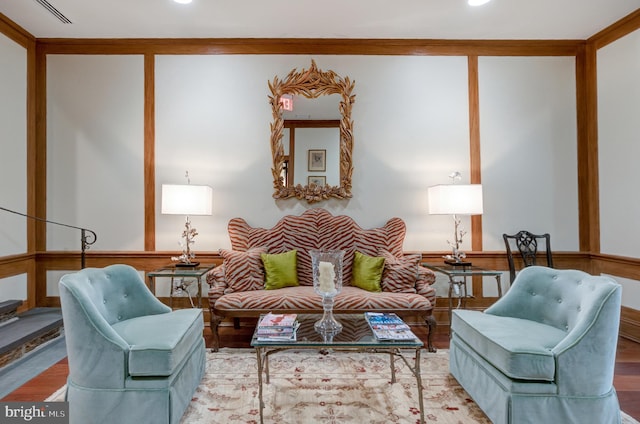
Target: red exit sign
286,102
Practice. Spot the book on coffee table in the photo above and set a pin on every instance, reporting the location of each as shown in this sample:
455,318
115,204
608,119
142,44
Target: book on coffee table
389,326
277,327
277,321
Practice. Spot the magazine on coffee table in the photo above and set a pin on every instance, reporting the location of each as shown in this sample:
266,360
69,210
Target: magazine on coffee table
278,333
389,326
277,327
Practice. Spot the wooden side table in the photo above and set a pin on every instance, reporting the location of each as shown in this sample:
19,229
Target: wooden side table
196,273
458,281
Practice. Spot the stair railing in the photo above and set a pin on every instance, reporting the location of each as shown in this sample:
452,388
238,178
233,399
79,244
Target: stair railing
87,237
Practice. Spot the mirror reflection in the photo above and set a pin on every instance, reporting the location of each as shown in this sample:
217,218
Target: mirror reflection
312,135
312,152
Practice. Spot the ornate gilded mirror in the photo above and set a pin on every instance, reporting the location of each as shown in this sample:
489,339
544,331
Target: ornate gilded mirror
311,84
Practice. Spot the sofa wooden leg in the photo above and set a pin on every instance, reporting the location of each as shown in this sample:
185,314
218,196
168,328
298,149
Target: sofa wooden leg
431,323
215,323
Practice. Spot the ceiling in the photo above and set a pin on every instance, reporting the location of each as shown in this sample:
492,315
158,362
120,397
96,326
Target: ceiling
431,19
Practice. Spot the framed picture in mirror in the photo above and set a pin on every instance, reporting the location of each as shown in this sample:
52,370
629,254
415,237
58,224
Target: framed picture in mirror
319,180
317,160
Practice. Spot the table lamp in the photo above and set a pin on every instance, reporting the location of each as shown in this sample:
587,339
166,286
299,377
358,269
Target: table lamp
456,199
187,199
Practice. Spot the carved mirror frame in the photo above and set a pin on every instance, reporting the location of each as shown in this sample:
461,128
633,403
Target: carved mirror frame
312,83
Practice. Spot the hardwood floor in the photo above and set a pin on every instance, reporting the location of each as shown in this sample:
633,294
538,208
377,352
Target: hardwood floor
626,379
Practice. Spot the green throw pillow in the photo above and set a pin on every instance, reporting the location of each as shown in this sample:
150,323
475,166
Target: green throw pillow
281,269
367,272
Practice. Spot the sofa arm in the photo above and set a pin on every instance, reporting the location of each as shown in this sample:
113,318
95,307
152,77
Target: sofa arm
217,284
424,284
425,279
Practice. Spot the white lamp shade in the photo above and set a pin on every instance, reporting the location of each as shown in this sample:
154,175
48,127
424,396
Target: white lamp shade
187,199
455,199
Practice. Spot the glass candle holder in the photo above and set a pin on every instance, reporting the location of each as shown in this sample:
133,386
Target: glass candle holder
327,282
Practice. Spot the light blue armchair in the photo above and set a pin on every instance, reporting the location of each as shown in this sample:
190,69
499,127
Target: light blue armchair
131,359
544,352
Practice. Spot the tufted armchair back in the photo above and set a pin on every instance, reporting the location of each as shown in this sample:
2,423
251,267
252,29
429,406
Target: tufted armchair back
584,306
563,299
117,293
92,301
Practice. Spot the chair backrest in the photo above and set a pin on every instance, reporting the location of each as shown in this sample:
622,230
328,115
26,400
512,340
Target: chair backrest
116,292
528,245
560,298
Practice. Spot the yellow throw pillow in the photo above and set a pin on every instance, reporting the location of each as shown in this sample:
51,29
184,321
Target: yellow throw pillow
281,269
367,272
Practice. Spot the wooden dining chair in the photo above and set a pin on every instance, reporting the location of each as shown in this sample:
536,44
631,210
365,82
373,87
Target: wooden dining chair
528,244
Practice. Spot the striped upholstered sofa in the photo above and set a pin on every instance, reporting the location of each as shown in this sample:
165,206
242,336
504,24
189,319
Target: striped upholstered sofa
237,287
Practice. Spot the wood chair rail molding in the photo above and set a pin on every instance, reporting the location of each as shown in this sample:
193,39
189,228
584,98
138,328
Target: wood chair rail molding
312,83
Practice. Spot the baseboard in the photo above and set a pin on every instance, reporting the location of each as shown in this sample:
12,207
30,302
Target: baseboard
630,324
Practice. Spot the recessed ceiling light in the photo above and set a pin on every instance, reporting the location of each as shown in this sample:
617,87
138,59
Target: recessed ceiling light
475,2
183,1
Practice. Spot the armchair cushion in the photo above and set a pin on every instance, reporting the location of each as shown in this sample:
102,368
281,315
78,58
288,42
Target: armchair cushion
159,343
500,338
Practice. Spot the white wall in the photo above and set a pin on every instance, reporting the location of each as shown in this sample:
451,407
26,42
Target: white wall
528,149
13,139
95,150
13,161
618,153
619,146
13,288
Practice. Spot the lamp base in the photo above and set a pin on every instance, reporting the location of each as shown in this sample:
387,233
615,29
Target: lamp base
453,262
186,265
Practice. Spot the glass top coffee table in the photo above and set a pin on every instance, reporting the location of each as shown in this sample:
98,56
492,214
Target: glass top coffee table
355,335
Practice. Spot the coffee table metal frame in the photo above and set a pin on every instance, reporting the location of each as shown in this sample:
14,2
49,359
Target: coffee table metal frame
363,342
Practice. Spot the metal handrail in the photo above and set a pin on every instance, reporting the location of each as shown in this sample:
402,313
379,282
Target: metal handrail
87,237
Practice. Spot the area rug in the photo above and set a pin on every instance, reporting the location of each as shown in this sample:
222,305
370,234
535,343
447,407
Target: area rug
308,386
